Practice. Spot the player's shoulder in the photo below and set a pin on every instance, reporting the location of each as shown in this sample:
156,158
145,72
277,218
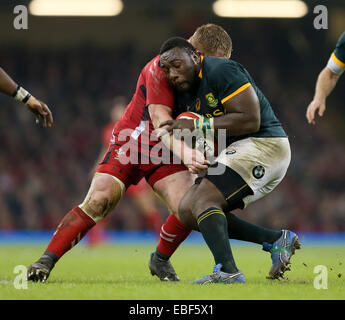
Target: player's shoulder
157,89
153,64
339,55
152,70
218,68
215,65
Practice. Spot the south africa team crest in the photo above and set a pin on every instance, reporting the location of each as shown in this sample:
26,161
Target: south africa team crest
258,172
211,100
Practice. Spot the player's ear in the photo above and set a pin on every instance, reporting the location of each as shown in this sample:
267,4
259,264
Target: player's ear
196,57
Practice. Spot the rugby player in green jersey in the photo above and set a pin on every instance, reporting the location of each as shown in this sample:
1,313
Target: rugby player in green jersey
327,80
213,41
38,108
255,159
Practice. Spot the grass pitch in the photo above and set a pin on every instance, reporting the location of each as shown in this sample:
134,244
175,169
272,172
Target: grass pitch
121,273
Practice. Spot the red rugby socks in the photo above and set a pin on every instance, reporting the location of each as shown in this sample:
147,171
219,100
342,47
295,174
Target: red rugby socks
70,231
173,233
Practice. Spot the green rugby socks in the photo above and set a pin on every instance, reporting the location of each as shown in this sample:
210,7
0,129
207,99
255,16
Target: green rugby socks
214,228
245,231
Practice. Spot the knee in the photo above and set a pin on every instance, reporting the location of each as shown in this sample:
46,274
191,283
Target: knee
97,205
198,201
102,198
99,201
204,197
185,213
183,209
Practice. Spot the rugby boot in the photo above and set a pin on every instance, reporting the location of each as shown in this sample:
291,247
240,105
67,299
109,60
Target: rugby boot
40,270
281,252
219,276
161,268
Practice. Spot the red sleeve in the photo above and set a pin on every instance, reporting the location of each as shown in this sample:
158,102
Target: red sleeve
158,89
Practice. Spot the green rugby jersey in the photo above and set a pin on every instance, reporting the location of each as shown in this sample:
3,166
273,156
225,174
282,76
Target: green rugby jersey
337,60
219,81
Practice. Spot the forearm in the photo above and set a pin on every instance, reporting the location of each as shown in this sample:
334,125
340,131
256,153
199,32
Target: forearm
176,146
7,85
159,114
242,114
325,84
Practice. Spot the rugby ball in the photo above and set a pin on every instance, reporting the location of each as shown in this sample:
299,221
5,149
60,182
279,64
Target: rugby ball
189,115
203,143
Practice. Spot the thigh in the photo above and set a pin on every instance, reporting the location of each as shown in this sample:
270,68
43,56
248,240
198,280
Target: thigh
261,163
160,172
185,209
201,196
173,187
117,164
206,195
231,187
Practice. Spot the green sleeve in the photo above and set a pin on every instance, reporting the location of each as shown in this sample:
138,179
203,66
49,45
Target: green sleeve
229,80
340,48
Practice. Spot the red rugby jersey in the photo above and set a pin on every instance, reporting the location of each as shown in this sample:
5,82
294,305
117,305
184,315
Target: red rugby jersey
152,88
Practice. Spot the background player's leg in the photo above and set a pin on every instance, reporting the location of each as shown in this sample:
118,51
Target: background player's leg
104,193
97,236
147,202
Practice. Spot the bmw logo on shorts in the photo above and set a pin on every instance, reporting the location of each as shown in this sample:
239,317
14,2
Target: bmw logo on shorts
258,172
231,151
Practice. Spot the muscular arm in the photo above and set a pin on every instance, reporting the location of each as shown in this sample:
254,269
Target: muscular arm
242,114
7,85
38,108
325,84
160,113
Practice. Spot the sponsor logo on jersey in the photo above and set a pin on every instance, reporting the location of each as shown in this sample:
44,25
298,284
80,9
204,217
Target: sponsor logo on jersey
211,100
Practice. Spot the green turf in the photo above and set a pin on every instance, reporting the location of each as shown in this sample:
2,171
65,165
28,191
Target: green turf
121,272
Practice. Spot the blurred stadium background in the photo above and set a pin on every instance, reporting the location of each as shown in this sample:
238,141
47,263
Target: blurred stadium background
78,65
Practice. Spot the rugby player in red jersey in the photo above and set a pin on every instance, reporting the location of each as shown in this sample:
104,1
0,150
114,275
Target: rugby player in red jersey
141,194
152,104
38,108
